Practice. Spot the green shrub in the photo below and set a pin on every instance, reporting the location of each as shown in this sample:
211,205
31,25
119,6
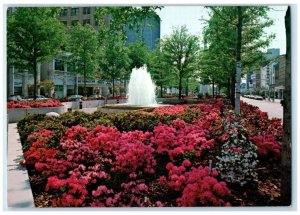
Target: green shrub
70,119
28,124
128,121
35,122
53,125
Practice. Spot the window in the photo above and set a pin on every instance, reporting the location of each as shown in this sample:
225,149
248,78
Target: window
86,10
59,65
64,12
64,22
86,21
74,22
74,11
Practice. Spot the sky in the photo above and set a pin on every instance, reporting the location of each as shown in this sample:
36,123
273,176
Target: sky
173,16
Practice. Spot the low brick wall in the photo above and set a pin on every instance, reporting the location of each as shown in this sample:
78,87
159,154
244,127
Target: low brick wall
16,114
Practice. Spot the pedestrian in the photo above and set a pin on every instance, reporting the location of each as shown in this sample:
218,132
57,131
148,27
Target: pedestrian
54,95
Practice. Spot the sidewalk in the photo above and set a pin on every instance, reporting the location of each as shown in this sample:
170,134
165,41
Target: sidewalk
19,194
274,109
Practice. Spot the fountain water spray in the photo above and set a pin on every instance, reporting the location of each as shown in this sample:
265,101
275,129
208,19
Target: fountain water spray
141,89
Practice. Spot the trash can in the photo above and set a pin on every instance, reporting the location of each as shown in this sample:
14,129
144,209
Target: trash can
80,104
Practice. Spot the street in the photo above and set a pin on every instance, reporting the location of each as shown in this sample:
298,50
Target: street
274,109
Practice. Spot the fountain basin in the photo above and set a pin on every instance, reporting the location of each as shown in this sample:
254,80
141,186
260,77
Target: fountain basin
117,108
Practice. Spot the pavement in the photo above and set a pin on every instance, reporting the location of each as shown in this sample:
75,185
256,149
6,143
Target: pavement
19,194
274,109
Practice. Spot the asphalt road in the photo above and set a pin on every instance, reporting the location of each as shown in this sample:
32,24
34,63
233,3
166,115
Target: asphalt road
274,109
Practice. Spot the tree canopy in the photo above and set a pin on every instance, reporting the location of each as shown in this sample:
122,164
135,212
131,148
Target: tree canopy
180,50
85,51
115,60
34,35
221,37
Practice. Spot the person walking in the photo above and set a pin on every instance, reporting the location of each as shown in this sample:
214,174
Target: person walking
54,95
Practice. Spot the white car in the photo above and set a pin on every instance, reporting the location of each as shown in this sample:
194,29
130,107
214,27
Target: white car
258,98
75,97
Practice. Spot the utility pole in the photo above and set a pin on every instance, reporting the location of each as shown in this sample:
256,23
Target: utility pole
238,60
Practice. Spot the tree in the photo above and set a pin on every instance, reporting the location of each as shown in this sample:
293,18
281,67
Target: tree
113,22
138,53
160,72
236,34
115,60
180,50
85,51
34,35
48,85
210,70
286,185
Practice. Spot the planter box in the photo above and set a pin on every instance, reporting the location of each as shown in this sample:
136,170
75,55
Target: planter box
16,114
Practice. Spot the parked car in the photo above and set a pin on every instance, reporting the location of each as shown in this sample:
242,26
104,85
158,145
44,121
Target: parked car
258,97
75,97
15,98
94,96
38,97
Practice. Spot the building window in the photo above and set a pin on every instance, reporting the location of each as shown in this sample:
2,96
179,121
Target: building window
64,12
59,65
74,22
86,21
74,11
86,10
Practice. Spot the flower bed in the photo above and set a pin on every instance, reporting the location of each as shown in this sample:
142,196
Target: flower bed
172,156
34,104
18,110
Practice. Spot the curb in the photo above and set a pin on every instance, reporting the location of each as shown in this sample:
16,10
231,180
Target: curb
19,194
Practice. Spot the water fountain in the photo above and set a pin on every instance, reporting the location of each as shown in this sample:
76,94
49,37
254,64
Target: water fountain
141,93
141,89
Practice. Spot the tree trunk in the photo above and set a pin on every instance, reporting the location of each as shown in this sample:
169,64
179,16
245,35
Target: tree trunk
34,80
24,83
65,80
232,89
76,84
286,185
38,78
213,89
113,87
84,80
125,91
161,84
187,87
228,88
238,59
10,80
8,93
180,85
